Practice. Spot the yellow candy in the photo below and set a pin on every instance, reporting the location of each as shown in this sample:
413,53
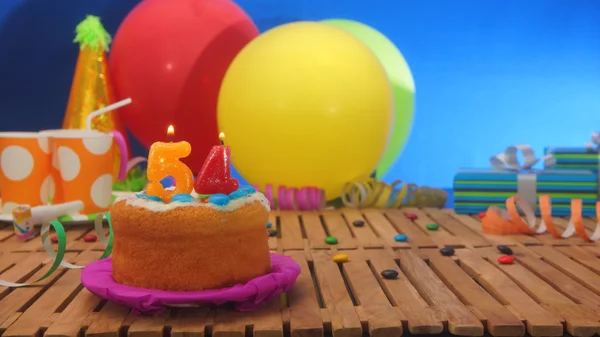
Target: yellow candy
340,258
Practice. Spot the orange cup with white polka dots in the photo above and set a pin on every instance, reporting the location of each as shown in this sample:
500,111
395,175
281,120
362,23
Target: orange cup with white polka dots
83,162
24,170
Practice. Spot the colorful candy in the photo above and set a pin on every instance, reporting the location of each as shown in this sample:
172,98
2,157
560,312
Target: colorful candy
90,238
447,251
358,223
182,198
219,199
340,258
411,216
505,250
390,274
432,227
506,259
400,237
330,240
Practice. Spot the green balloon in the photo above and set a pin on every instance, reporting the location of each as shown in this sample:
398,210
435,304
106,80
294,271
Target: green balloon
402,82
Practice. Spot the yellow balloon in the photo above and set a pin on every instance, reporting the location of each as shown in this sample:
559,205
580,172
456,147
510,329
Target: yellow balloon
306,104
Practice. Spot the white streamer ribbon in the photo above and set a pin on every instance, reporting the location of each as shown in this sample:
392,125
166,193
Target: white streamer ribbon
508,159
594,143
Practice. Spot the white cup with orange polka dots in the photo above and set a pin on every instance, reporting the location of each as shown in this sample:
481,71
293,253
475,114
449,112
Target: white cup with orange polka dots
82,166
24,170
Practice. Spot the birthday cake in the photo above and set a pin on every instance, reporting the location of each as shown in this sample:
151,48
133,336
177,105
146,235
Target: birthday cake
210,238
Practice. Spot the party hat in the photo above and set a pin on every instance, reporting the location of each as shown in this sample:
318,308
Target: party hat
92,88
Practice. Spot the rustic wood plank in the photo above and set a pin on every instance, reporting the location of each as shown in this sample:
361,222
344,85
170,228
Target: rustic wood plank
582,256
365,236
384,228
229,323
461,320
70,321
190,322
30,322
588,278
266,321
440,236
290,231
344,320
148,326
539,321
456,228
315,234
382,319
108,321
499,320
416,237
421,318
305,313
337,227
578,321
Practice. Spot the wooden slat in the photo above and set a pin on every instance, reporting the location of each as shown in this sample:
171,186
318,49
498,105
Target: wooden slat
108,322
365,237
421,318
30,322
290,231
266,321
456,228
337,227
229,323
416,237
315,234
148,326
499,320
461,320
190,322
440,236
582,256
539,322
344,320
305,313
382,319
384,228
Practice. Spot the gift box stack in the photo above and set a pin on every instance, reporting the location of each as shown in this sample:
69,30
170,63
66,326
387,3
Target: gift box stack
477,189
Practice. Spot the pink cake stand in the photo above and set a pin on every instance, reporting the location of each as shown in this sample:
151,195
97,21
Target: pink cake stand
97,278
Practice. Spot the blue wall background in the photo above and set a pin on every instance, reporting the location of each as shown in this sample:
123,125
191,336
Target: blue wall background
488,73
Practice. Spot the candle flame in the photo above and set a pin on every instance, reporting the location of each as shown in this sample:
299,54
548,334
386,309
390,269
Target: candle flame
170,130
221,136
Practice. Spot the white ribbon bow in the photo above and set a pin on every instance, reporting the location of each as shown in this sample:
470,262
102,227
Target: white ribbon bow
508,159
594,143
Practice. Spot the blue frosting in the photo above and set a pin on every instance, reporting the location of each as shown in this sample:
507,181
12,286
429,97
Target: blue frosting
153,198
238,194
219,199
141,195
182,197
248,189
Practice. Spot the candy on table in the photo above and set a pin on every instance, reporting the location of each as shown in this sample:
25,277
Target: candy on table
390,274
90,238
269,224
272,232
411,216
505,250
481,214
358,223
400,237
331,240
506,259
54,239
447,251
340,258
432,226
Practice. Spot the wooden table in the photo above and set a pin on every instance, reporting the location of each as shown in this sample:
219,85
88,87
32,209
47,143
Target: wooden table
552,289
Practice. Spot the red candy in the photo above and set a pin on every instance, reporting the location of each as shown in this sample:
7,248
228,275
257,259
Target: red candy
506,259
54,239
215,175
90,238
481,215
411,216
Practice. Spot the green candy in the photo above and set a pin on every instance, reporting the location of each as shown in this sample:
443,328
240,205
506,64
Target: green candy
331,240
432,226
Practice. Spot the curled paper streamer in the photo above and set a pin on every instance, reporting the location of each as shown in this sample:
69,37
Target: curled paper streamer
305,198
500,222
58,255
375,193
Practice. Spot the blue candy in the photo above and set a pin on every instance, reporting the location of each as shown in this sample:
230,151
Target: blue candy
182,198
238,194
400,237
219,199
248,189
153,198
269,224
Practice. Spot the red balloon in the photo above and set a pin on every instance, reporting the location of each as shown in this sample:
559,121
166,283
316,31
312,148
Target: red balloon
170,57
